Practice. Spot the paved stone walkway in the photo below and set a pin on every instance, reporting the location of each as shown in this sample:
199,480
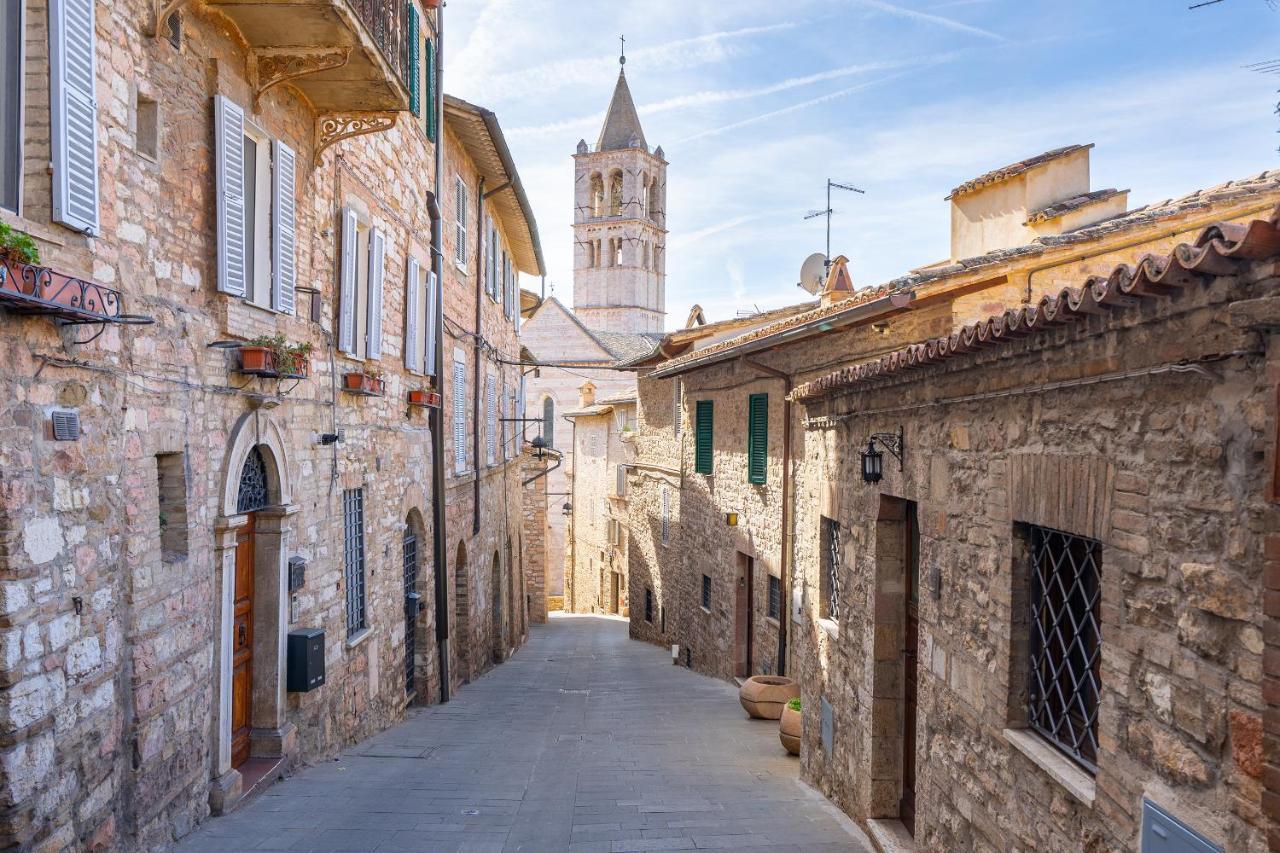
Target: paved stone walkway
584,741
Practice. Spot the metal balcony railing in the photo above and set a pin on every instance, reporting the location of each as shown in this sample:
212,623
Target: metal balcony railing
387,22
32,289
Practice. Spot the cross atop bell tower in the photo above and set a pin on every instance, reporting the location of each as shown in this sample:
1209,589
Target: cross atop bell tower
619,222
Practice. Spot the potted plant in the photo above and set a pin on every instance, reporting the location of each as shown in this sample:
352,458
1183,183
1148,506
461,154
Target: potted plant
762,696
17,247
789,726
423,398
273,355
367,382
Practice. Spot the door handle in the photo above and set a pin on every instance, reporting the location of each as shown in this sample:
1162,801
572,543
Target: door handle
240,634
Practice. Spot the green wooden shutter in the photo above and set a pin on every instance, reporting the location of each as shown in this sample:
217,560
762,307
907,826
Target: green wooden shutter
415,96
757,437
702,445
430,59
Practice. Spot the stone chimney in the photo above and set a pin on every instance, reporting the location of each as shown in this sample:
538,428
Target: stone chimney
586,394
839,285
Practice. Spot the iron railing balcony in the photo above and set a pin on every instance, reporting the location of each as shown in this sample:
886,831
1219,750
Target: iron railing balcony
344,55
34,289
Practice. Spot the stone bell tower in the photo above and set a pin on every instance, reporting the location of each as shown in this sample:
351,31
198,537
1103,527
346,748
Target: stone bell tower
619,224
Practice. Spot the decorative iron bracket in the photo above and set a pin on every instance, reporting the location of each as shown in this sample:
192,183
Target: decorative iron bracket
161,10
279,65
893,443
337,127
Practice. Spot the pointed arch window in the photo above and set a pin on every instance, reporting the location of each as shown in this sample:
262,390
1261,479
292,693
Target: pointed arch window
549,422
615,193
597,195
253,483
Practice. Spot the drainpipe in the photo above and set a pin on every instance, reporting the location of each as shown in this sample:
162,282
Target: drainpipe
788,487
479,339
436,418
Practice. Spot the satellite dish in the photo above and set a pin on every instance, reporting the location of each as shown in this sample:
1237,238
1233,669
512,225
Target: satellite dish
813,272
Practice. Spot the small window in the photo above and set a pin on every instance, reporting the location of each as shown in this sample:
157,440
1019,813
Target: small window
13,36
829,582
257,216
775,597
173,29
597,195
620,485
171,492
146,126
353,558
459,414
460,203
757,438
1065,646
704,416
615,194
617,252
706,592
490,420
648,605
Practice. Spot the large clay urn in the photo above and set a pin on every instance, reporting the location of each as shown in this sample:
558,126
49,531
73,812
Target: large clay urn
789,730
762,696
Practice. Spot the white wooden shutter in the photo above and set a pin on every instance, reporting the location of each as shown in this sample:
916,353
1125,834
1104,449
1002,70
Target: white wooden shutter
377,257
459,416
284,239
622,481
429,347
228,130
491,420
411,302
460,232
347,297
74,114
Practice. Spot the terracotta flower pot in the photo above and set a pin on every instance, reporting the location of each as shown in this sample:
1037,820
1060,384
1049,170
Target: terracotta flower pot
362,383
789,730
763,696
257,360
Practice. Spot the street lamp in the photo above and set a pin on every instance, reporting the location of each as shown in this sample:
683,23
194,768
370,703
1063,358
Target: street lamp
873,460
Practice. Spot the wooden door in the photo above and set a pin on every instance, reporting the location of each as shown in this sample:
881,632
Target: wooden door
613,592
743,617
242,647
911,565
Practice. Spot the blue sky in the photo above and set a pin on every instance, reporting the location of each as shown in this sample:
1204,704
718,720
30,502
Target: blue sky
757,103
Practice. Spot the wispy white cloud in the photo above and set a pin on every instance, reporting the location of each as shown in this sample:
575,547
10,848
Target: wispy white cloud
539,80
720,96
929,18
803,105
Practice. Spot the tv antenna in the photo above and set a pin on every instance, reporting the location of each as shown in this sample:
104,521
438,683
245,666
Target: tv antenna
814,214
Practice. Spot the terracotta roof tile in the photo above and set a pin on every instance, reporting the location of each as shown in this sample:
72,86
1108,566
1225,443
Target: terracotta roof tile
1219,250
1006,172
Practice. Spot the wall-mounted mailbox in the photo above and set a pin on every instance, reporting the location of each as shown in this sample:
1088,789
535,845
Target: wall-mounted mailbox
1164,833
305,660
297,573
413,603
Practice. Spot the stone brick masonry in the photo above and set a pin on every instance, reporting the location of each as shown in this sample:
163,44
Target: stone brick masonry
118,551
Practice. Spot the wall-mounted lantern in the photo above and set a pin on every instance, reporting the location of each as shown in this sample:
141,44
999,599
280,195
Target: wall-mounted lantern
567,509
873,460
539,446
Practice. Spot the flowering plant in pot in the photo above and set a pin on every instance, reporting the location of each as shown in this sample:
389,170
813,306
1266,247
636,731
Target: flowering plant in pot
367,381
274,355
17,246
790,727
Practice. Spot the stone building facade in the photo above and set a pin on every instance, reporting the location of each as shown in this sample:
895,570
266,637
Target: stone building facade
708,521
603,448
169,511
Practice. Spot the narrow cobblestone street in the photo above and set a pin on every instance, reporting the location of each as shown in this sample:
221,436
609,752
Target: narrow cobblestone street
584,741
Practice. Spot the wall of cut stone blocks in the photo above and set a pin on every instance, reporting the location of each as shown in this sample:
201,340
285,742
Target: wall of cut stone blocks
108,641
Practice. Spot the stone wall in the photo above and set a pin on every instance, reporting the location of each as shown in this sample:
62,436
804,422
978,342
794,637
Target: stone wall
535,538
117,551
1161,470
599,448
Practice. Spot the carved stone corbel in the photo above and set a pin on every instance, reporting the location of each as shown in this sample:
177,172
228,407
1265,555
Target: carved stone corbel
278,65
161,10
336,127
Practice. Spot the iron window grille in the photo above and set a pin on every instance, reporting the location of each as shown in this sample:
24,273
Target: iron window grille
353,558
706,592
409,548
253,483
829,593
775,597
1065,647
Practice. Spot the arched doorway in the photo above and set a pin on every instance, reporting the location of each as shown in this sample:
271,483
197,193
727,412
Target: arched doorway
462,615
412,548
253,495
496,610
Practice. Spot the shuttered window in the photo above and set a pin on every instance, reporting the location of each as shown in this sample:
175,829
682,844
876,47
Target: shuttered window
459,415
775,597
412,315
415,93
348,283
12,57
703,434
429,58
229,164
620,487
377,259
74,114
490,420
460,222
353,559
432,322
757,438
284,267
677,406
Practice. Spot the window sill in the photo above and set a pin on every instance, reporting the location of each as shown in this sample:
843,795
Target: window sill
771,620
1058,767
461,266
266,309
831,627
359,637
